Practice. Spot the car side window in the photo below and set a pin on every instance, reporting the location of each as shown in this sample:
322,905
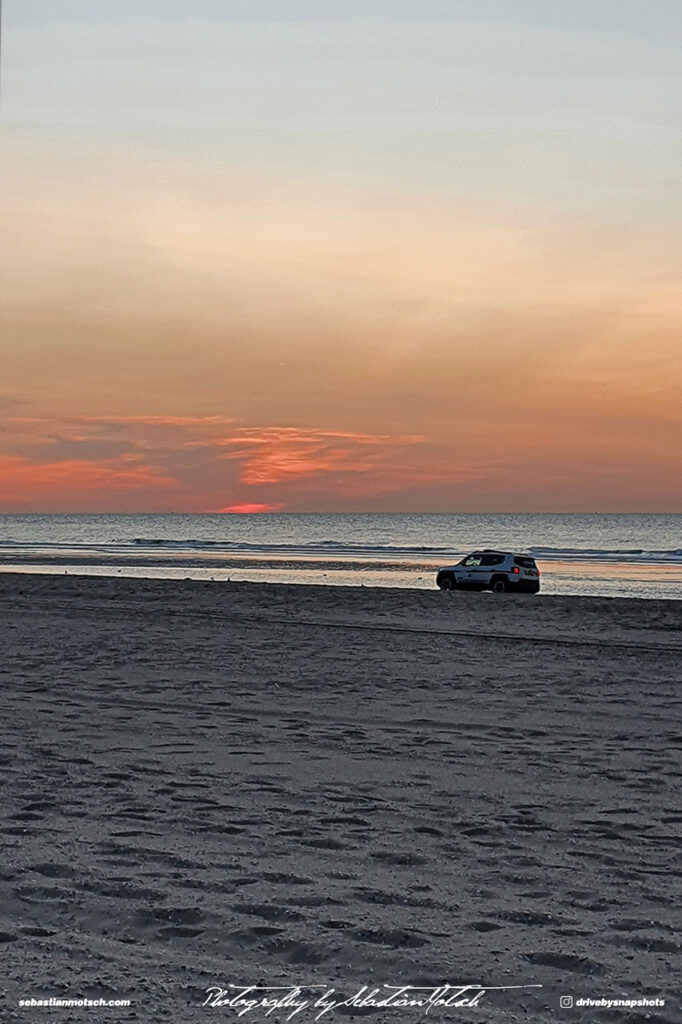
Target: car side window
473,560
492,560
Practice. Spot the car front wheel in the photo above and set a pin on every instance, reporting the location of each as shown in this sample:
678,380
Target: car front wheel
447,583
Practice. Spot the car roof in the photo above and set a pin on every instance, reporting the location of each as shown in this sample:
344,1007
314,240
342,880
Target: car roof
496,551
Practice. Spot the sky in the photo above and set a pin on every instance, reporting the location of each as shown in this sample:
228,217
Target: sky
306,255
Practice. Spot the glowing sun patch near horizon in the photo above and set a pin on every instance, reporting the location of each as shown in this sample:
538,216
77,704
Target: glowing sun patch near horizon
249,508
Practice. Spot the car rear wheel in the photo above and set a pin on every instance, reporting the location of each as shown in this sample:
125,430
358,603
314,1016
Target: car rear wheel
498,586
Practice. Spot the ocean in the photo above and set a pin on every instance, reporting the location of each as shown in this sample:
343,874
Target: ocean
612,555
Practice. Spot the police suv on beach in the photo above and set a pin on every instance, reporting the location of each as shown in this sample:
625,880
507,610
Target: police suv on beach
492,570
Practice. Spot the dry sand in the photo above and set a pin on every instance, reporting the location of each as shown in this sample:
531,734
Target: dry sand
207,784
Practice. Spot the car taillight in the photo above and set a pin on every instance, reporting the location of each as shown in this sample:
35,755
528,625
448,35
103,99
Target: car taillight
515,571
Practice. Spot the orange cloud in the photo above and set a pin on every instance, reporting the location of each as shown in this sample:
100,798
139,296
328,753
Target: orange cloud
53,484
194,463
275,454
173,421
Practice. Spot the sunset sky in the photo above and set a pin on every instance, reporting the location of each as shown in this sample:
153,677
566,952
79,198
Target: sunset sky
312,255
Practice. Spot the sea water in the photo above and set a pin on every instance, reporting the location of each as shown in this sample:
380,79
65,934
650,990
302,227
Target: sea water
614,555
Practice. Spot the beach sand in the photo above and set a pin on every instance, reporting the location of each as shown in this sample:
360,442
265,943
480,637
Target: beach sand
207,784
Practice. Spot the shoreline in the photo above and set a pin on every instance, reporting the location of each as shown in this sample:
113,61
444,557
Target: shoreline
333,590
567,579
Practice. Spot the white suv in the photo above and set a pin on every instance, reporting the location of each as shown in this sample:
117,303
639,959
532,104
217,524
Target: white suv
492,570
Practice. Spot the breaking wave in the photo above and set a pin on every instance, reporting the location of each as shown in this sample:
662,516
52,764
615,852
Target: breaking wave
634,555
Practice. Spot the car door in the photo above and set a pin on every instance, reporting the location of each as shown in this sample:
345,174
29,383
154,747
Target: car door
469,570
490,564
